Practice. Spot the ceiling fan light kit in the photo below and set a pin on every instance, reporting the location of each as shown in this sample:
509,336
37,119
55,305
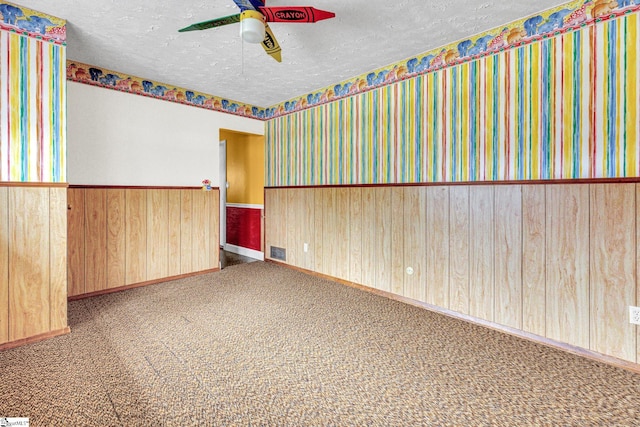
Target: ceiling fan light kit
252,26
253,18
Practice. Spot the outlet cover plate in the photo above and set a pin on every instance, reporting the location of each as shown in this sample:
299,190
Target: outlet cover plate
634,315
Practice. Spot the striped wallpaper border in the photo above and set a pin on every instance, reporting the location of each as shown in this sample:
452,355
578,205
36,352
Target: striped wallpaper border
569,17
565,107
572,16
32,110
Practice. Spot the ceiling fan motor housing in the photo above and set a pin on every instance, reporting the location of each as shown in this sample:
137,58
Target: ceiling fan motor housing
252,26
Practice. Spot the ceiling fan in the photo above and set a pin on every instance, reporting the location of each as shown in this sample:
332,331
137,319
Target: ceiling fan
253,18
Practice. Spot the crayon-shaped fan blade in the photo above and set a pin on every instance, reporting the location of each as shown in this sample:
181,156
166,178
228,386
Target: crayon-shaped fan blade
270,44
231,19
295,14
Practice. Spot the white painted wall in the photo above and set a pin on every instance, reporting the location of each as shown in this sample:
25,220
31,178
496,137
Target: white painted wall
116,138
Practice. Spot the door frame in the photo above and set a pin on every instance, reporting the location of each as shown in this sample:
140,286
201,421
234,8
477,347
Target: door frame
223,192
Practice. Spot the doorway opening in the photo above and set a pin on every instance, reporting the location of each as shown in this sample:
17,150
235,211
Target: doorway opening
223,192
241,196
227,259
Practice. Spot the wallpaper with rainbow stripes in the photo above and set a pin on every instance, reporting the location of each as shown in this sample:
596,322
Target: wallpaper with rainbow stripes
32,109
559,108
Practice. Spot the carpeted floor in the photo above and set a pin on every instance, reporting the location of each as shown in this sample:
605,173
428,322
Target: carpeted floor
227,259
261,345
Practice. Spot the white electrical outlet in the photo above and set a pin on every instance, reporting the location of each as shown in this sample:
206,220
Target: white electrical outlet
306,247
634,315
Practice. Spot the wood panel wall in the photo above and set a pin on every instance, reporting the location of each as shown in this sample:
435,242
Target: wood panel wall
4,264
33,260
556,260
120,237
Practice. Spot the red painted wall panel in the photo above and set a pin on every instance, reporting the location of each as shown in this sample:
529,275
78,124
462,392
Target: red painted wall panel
243,227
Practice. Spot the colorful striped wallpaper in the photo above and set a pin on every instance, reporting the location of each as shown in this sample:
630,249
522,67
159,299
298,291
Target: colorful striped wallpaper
559,108
32,109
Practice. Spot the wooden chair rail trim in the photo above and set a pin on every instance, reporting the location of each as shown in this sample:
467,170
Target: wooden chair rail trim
138,187
34,184
579,351
460,183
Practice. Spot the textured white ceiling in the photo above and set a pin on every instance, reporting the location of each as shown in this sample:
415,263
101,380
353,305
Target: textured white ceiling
140,38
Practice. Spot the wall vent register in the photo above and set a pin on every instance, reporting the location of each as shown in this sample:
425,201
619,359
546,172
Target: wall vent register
278,253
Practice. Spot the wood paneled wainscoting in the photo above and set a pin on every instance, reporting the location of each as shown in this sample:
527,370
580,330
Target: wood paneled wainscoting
33,260
557,261
125,237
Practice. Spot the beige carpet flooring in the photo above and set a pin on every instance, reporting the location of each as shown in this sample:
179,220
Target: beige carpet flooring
227,259
261,345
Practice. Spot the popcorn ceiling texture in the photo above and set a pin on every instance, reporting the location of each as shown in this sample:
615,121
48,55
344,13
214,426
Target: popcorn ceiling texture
141,38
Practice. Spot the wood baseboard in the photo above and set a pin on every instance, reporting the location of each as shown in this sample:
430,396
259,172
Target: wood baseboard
34,339
578,351
140,284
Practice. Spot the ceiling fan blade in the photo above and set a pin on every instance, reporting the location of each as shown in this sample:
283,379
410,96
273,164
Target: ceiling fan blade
218,22
270,44
249,4
295,14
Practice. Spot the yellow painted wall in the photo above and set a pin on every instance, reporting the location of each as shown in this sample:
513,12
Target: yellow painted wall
245,167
